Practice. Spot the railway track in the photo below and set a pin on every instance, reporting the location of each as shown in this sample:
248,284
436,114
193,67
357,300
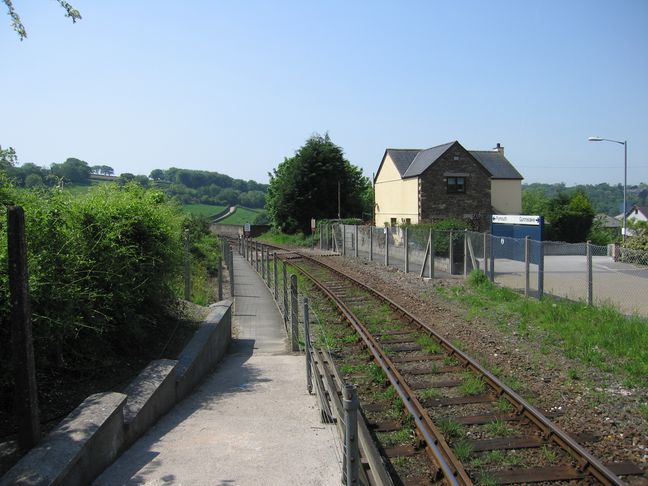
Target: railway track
458,423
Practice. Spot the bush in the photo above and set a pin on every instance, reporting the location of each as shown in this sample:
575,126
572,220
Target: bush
102,268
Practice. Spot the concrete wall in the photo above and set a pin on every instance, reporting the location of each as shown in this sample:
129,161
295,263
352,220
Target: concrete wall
97,431
395,197
506,196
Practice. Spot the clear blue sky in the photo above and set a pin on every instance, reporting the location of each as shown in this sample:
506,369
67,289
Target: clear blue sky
236,86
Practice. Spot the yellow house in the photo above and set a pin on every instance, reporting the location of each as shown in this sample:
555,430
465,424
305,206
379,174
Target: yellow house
416,186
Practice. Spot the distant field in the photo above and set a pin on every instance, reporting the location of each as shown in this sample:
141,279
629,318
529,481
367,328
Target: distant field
206,210
77,189
242,216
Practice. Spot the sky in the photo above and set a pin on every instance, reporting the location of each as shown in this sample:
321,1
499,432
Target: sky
237,86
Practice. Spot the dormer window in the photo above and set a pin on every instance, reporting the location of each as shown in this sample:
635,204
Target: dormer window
456,185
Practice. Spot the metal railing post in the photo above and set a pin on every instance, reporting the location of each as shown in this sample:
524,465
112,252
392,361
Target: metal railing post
541,270
220,278
256,256
285,293
356,241
465,272
406,249
386,246
231,271
351,456
307,347
276,276
263,265
451,253
492,259
294,313
590,276
527,261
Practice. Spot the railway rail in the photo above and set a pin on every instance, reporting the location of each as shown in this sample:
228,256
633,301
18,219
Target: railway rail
464,418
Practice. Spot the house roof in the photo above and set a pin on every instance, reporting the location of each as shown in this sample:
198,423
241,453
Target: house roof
642,209
425,158
402,158
607,221
495,163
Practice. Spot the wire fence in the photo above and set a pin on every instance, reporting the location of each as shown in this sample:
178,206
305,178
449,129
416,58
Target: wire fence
599,275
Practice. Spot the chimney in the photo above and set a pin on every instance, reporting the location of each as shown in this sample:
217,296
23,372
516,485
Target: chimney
499,149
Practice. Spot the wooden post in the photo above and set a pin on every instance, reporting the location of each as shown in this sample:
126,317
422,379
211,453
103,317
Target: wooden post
25,392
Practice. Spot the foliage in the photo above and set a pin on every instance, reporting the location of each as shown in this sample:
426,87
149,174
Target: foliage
570,217
73,170
8,159
102,169
600,235
305,186
18,26
242,216
103,269
296,239
206,210
604,198
599,336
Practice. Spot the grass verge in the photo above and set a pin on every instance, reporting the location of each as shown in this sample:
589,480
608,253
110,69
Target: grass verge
598,336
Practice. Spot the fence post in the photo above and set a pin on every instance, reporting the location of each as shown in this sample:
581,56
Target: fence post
465,272
268,276
485,252
256,255
285,294
527,258
406,249
590,276
276,276
451,253
371,228
307,347
263,262
231,273
432,252
386,246
25,394
492,259
187,267
294,313
343,240
356,241
541,270
350,403
220,278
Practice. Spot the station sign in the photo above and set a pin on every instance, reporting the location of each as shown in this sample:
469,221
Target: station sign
517,219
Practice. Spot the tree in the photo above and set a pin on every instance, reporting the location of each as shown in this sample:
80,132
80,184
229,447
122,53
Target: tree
157,175
571,217
305,186
73,170
18,26
8,159
95,169
106,170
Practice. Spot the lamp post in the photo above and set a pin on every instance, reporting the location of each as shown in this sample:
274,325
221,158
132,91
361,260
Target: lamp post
625,175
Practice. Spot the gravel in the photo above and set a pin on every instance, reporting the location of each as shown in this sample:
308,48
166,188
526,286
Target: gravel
596,402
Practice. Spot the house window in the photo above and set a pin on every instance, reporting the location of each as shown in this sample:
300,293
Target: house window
456,185
408,220
393,222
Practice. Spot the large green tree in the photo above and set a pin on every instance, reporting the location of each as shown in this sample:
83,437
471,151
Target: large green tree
570,217
73,170
305,186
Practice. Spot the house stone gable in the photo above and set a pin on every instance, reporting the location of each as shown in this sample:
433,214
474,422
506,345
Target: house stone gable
434,201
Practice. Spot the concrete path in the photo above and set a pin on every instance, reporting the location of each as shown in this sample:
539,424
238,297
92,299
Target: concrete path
251,422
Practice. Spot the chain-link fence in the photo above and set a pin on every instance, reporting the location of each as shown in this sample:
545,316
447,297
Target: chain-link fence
584,272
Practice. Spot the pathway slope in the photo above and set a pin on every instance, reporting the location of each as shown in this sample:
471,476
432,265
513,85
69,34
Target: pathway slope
251,422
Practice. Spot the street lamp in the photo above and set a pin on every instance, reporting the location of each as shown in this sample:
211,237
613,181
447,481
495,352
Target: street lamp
625,174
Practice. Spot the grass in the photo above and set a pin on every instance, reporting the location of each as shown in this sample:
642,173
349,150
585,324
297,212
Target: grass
429,345
499,428
279,238
206,210
450,428
643,408
599,336
462,450
503,405
429,393
472,385
402,436
242,215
